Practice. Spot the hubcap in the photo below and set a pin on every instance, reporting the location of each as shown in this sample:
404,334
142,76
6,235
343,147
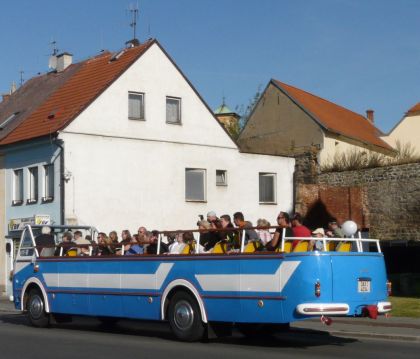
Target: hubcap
184,315
36,307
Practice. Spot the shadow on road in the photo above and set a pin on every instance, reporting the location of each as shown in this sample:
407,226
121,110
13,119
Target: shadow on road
295,338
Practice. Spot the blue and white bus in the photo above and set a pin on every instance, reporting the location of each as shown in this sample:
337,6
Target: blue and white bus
195,292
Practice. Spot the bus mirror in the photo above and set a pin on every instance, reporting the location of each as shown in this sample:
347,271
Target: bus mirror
8,247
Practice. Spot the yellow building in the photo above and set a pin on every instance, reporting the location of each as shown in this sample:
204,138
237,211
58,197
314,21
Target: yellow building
407,131
289,121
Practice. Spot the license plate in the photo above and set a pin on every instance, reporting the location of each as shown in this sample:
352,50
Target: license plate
363,286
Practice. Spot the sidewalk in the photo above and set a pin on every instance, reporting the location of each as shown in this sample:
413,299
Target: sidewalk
407,329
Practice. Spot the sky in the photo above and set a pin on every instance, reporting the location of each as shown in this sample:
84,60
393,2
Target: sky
360,54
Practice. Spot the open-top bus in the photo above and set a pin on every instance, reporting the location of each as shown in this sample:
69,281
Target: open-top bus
196,292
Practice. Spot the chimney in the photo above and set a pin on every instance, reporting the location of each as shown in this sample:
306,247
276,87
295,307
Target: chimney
369,115
64,60
5,96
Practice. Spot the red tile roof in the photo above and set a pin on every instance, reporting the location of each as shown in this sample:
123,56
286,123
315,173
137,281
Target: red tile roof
414,109
335,118
77,93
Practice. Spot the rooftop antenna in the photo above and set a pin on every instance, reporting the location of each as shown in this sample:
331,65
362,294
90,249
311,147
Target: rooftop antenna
53,44
134,10
21,77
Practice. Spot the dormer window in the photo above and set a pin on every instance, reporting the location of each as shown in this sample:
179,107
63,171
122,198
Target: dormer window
7,120
173,110
136,106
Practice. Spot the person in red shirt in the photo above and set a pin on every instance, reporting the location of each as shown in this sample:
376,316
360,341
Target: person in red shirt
298,229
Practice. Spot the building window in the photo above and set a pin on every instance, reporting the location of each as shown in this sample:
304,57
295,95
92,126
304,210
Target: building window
195,184
173,110
221,178
33,185
135,106
17,187
267,183
48,183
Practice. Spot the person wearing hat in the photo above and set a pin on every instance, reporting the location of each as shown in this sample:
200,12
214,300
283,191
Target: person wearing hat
318,233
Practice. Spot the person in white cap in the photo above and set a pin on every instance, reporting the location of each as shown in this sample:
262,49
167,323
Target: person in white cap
319,233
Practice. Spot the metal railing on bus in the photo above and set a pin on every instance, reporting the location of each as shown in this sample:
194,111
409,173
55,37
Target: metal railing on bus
241,233
325,240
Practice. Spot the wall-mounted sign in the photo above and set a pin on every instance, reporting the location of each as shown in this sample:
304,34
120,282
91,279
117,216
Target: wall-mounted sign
17,224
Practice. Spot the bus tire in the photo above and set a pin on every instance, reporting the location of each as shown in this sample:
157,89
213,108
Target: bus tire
185,317
37,315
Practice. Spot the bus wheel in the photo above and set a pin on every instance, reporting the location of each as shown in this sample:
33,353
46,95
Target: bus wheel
185,317
36,309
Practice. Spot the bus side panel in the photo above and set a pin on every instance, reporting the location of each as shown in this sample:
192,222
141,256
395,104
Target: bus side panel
221,293
70,296
105,288
300,288
142,302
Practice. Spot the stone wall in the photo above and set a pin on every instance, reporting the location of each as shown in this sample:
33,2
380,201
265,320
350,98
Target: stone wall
386,200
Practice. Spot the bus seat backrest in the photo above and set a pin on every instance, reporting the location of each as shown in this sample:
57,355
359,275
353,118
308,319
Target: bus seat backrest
186,249
220,247
72,252
331,246
287,247
344,247
302,246
251,247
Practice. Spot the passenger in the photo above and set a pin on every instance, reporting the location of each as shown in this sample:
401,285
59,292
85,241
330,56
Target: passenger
144,237
299,230
229,235
170,238
208,239
142,231
283,221
65,245
152,247
188,239
334,231
213,220
113,236
177,245
45,240
239,220
263,234
79,240
125,236
318,245
133,247
105,245
115,243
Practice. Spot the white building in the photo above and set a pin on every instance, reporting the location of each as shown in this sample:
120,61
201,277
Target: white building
140,147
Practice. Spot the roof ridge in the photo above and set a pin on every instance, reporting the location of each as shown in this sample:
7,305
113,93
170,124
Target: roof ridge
321,98
68,107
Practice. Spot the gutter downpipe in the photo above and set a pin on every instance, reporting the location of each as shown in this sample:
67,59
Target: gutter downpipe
59,145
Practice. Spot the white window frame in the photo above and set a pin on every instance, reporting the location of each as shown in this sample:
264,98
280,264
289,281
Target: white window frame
223,174
204,174
48,195
33,183
179,120
141,95
274,176
17,183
